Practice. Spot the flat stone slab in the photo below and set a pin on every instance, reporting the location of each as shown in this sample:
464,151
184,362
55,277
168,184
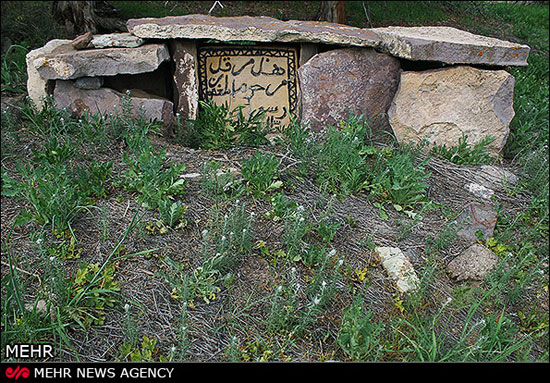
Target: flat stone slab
247,28
450,45
66,63
444,44
116,40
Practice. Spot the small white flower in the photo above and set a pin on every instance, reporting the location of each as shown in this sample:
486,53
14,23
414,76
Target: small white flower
173,348
223,238
52,258
237,201
204,232
340,262
279,289
252,214
126,307
293,270
302,219
316,301
323,285
332,253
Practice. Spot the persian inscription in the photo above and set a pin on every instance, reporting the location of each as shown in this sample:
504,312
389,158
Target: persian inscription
257,78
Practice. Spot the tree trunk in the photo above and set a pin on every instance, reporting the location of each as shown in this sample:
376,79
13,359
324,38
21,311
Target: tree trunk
332,11
78,17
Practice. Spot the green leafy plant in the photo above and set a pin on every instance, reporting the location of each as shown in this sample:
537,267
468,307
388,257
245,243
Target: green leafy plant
172,213
360,336
260,172
464,153
14,72
93,181
147,175
283,207
342,157
95,293
218,127
145,351
219,181
400,177
327,229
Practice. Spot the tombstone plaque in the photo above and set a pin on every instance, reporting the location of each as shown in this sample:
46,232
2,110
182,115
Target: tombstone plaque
258,78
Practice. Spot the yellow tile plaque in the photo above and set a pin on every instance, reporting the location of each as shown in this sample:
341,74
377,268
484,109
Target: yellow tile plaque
258,78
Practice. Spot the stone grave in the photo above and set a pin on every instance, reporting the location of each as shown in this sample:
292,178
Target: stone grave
433,83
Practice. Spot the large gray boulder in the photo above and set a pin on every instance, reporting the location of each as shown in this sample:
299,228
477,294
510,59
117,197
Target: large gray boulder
441,105
336,83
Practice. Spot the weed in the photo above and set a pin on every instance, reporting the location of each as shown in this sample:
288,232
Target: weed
463,153
299,139
327,229
218,181
260,172
93,180
147,176
172,213
359,334
399,178
218,127
341,159
14,72
296,228
145,351
283,207
95,293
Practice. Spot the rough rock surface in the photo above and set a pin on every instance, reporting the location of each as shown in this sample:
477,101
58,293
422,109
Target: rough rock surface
108,101
186,89
37,87
89,82
336,83
116,40
479,191
450,45
442,104
474,263
474,218
398,267
247,28
66,63
495,177
82,41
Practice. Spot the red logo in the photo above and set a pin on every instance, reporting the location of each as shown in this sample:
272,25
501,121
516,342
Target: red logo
18,372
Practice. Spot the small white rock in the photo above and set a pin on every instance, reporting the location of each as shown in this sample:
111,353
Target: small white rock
398,267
